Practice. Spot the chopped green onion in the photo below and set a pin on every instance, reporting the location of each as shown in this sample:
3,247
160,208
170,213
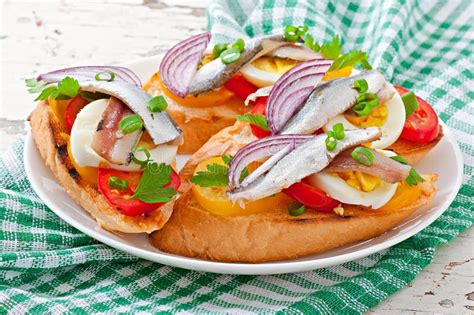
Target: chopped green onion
362,109
302,30
118,183
239,44
230,55
296,209
218,49
370,98
363,156
399,159
414,178
338,130
361,85
331,141
109,78
142,163
131,123
157,104
291,33
410,102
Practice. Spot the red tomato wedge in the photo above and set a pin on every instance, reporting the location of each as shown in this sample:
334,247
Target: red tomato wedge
73,108
311,197
122,200
423,125
240,86
259,108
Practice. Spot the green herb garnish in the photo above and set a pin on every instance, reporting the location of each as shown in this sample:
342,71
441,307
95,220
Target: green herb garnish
239,44
216,176
331,141
218,49
227,159
118,183
131,124
157,104
363,156
399,159
361,86
66,89
332,49
107,75
151,188
414,178
296,209
338,131
142,163
258,120
410,102
351,59
311,43
230,56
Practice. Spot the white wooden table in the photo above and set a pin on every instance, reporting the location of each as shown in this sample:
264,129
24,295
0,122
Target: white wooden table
43,35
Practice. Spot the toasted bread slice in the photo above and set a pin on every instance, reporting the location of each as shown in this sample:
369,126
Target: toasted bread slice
274,235
198,123
46,131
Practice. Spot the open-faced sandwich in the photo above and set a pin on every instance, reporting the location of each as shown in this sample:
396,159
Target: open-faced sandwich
206,84
109,144
322,161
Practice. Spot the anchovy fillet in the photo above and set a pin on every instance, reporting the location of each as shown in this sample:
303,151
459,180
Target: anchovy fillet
307,158
160,126
215,73
333,98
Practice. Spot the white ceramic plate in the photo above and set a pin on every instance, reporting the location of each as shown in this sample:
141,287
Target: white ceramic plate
445,160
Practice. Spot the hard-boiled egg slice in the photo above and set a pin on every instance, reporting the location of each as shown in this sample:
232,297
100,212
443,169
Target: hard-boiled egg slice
259,78
83,132
391,127
337,188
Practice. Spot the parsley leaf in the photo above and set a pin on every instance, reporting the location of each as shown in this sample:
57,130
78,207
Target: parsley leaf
414,178
331,50
255,119
227,159
351,59
311,43
150,188
66,89
216,175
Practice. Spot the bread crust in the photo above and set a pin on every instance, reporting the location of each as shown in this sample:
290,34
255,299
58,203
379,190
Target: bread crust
274,235
46,130
198,123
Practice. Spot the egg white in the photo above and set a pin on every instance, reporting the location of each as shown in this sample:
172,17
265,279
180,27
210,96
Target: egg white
392,127
259,77
82,134
338,189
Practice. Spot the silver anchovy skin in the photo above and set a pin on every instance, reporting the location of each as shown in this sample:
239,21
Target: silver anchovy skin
333,98
160,126
215,74
307,158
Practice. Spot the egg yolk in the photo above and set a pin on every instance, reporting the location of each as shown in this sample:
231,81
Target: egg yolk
274,64
359,180
376,118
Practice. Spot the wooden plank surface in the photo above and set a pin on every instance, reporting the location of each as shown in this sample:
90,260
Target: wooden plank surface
42,35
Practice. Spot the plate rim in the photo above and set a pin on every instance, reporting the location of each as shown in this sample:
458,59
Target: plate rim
267,268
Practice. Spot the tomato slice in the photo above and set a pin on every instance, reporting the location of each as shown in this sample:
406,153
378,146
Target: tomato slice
423,125
240,86
122,200
73,108
311,197
259,108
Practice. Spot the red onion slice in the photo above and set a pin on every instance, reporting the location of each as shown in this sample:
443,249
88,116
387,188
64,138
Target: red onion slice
180,63
87,73
262,148
292,89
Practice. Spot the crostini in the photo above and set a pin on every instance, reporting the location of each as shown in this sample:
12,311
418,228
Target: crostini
109,144
321,162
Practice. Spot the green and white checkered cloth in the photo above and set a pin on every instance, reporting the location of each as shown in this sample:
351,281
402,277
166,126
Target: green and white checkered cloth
46,265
